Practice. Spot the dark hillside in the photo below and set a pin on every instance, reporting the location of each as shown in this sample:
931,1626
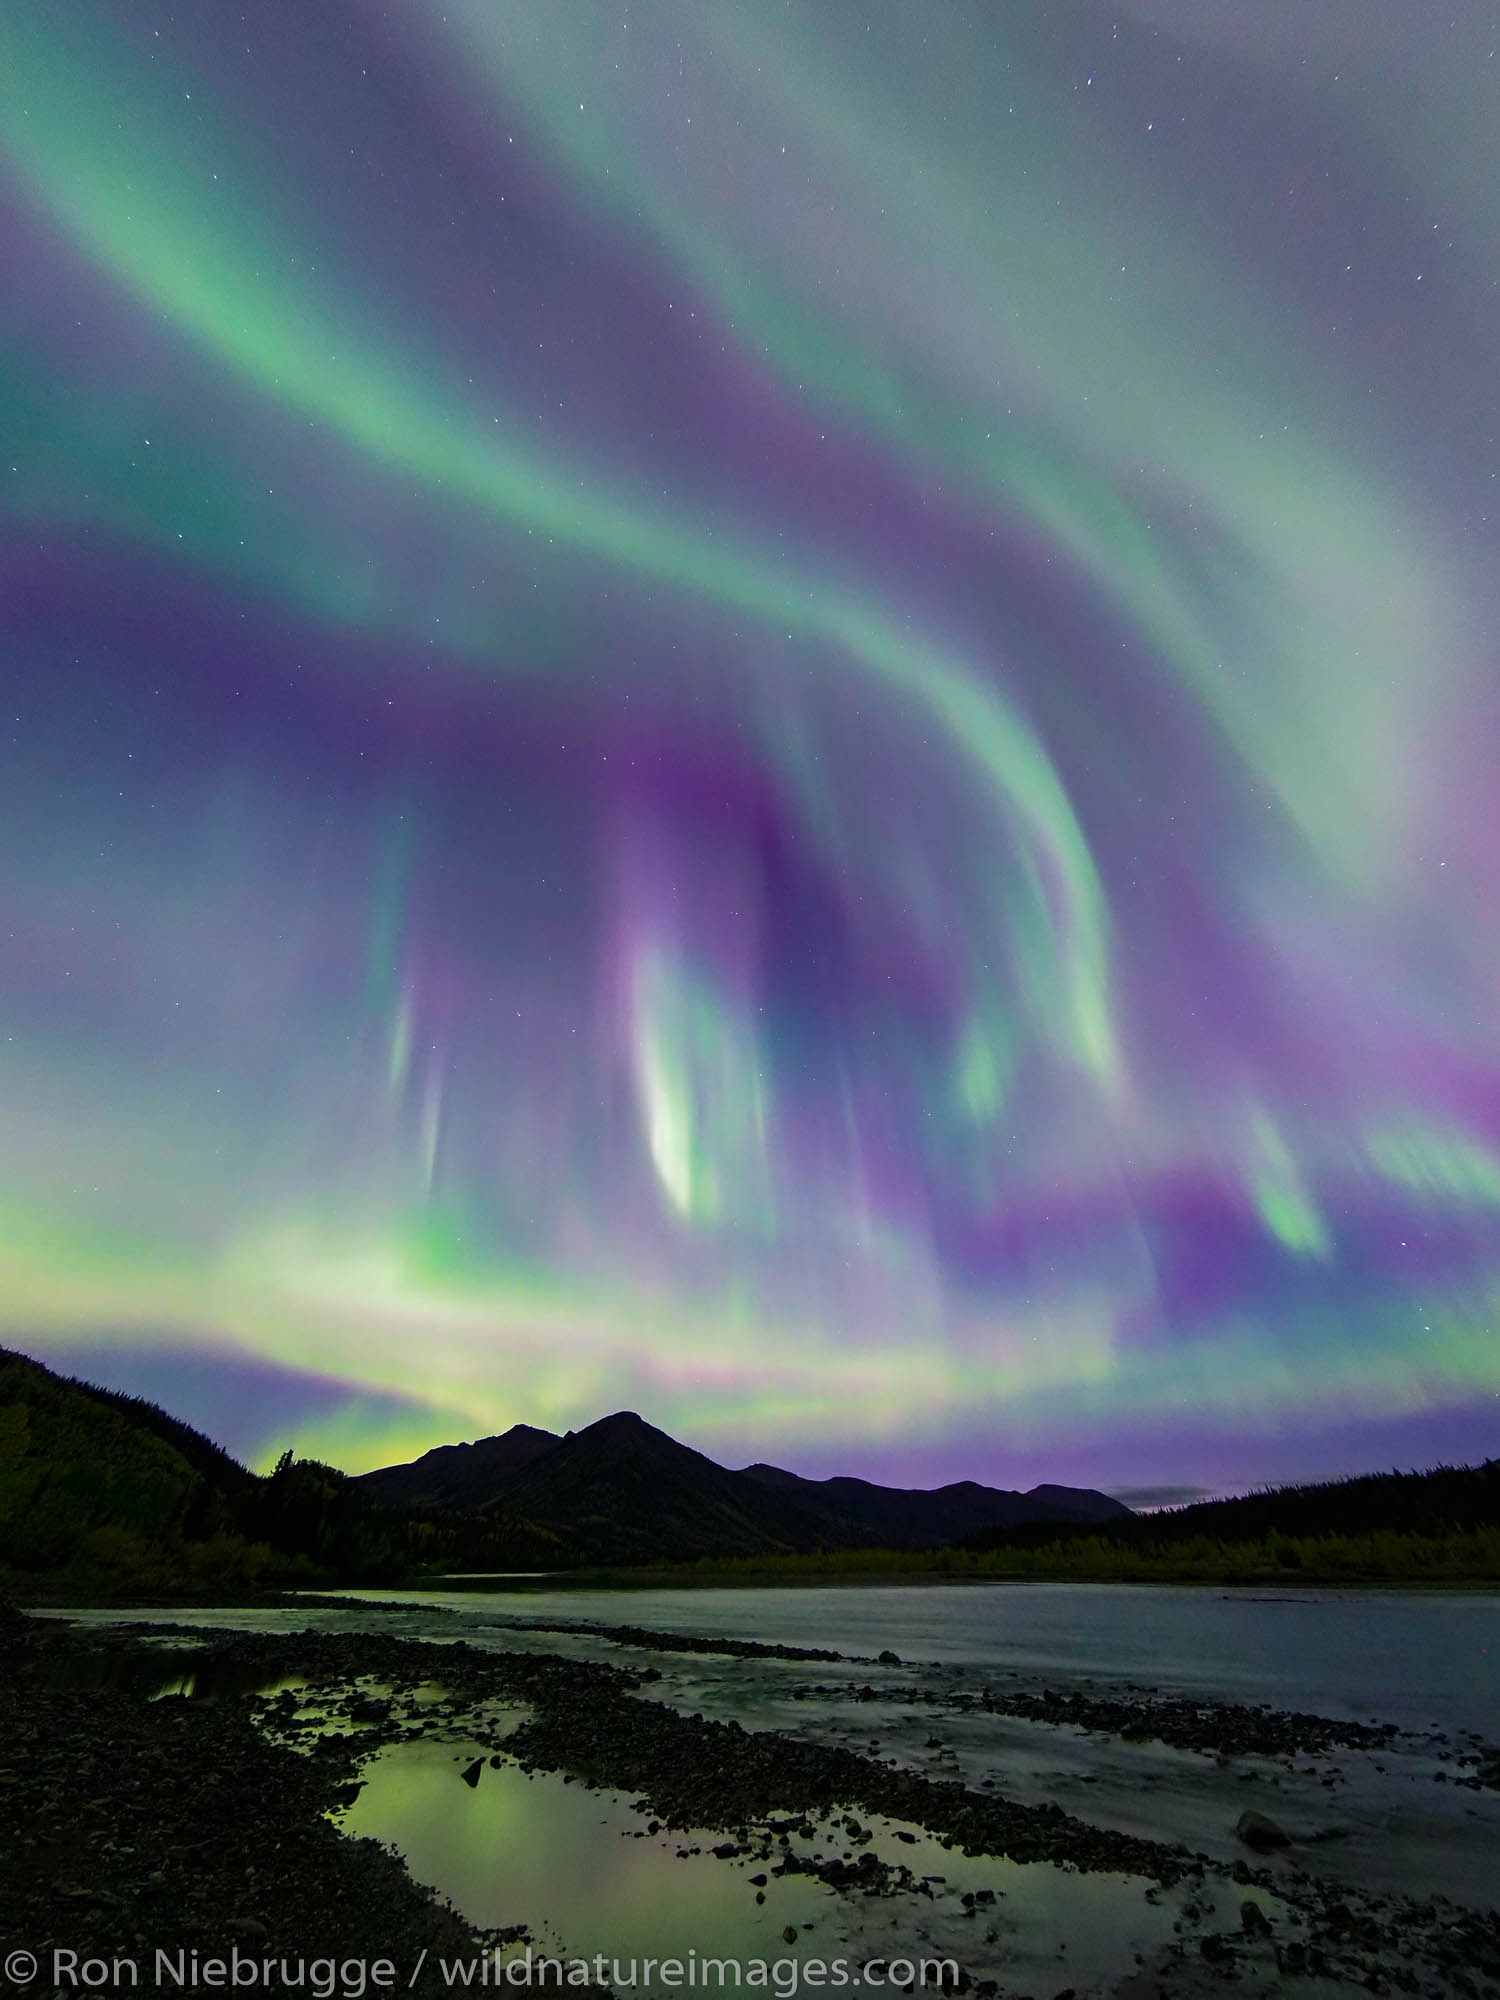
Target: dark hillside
208,1459
94,1478
1424,1503
103,1492
1286,1522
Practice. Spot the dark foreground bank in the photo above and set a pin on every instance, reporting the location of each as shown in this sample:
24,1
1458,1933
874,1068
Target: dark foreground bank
138,1822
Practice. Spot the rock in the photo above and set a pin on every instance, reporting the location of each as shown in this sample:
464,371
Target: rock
888,1659
470,1775
1259,1831
789,1934
1254,1921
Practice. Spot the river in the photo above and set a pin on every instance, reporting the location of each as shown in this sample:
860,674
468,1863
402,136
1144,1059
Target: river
1421,1659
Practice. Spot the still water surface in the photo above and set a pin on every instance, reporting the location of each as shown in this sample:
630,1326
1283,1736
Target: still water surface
591,1875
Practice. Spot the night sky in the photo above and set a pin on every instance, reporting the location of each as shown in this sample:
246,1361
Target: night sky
782,713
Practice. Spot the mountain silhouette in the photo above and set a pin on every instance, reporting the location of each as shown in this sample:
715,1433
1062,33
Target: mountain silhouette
459,1475
105,1493
897,1517
622,1491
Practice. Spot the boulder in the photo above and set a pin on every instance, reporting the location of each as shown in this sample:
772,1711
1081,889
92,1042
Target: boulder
1262,1833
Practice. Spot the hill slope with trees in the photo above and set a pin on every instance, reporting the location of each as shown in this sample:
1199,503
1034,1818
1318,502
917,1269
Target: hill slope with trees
106,1492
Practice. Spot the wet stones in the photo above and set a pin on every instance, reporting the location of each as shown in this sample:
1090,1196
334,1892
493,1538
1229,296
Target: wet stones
588,1721
181,1822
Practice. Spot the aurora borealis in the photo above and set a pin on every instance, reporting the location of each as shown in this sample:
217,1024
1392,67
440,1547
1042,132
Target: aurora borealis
781,714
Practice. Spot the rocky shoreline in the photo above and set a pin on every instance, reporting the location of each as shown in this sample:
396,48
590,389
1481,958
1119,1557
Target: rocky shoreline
133,1823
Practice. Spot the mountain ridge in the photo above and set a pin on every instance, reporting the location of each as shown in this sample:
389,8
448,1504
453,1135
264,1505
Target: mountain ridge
458,1475
104,1493
632,1492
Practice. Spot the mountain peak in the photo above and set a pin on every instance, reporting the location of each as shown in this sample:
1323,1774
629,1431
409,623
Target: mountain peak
624,1427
